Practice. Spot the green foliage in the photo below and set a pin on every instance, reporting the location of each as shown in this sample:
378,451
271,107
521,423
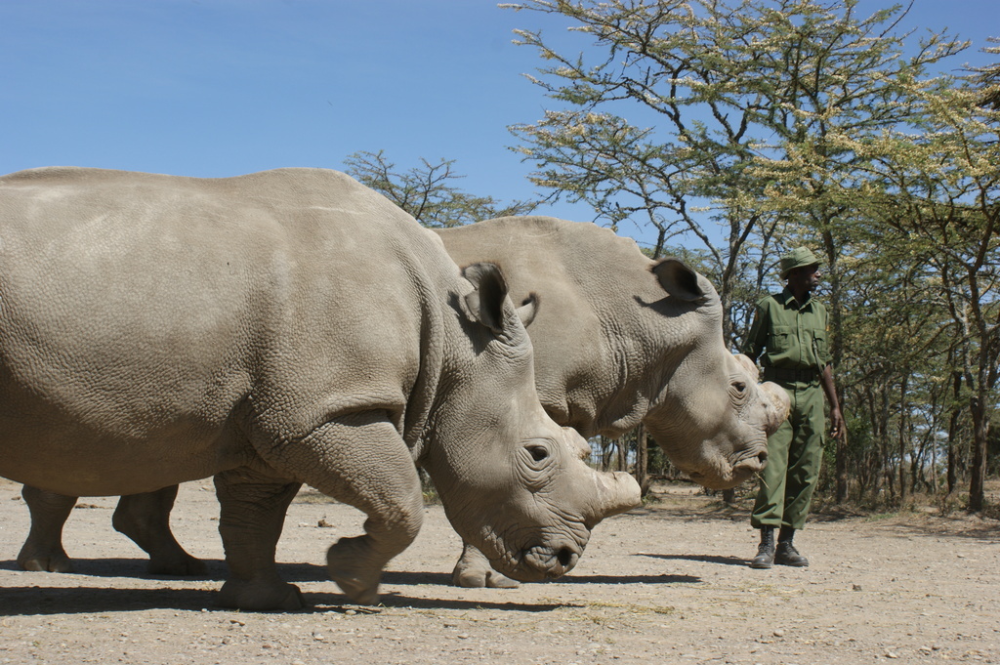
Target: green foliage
743,104
746,128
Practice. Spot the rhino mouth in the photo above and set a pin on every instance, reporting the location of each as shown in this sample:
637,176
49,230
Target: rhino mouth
549,562
750,461
726,473
540,562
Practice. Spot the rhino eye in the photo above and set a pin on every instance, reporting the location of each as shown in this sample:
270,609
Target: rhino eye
538,453
740,391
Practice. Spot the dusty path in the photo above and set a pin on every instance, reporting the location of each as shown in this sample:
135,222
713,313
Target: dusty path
667,584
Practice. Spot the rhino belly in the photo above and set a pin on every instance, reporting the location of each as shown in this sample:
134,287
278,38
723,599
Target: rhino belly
68,454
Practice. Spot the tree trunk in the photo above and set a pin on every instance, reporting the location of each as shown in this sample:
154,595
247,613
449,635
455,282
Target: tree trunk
883,438
902,438
980,436
934,475
953,434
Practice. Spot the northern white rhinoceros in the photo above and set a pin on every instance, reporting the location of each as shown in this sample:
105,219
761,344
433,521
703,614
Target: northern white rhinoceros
274,329
621,340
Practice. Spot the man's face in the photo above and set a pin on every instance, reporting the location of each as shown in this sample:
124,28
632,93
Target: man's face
805,278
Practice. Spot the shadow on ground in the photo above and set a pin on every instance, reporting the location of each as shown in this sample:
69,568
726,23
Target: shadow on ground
37,600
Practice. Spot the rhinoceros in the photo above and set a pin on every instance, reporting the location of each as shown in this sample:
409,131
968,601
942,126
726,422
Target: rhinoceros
274,329
622,340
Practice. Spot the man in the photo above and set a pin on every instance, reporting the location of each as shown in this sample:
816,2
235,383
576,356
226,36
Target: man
790,330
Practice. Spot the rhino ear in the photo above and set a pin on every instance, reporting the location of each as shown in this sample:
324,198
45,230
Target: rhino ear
528,309
485,304
678,279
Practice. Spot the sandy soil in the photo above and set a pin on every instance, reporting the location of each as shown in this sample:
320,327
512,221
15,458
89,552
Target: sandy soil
668,583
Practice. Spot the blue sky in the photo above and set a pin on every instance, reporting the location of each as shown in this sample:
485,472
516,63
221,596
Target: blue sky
224,87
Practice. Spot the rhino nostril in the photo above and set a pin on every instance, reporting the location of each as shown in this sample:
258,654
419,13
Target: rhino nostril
566,556
762,458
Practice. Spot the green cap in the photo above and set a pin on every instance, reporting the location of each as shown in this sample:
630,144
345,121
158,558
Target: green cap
799,257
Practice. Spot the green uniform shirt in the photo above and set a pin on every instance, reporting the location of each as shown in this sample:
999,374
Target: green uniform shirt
793,335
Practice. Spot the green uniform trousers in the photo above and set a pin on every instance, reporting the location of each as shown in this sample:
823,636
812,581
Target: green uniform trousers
794,456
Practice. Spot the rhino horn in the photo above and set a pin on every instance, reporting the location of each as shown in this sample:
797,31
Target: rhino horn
617,493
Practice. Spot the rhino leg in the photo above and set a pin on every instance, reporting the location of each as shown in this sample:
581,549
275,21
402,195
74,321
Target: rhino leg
43,550
360,459
252,514
473,571
145,518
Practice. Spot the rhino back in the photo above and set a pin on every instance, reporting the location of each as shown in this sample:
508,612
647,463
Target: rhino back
600,329
159,319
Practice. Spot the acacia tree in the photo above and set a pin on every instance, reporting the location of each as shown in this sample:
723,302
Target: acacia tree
427,192
720,86
748,110
935,190
895,373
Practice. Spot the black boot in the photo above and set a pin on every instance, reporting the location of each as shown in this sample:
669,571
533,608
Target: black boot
765,553
786,554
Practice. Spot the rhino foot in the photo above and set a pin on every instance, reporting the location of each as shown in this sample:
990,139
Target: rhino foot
473,571
475,577
495,580
145,518
52,561
183,565
42,550
260,597
349,568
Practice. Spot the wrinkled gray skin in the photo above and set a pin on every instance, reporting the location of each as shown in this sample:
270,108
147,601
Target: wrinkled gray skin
621,340
270,330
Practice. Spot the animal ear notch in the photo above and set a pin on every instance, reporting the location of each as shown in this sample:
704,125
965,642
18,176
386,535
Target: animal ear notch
679,280
528,309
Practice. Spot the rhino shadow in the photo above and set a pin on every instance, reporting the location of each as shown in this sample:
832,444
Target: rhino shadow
322,602
627,579
36,600
703,558
217,570
308,572
134,569
304,572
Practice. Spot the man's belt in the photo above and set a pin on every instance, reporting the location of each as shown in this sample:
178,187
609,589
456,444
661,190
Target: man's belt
790,375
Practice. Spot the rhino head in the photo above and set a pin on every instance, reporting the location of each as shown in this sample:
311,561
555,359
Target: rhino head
710,416
512,481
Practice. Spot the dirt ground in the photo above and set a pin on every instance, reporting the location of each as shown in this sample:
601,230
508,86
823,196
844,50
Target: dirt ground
668,583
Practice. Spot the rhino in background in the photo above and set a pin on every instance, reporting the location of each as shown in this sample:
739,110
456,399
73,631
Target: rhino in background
622,340
270,330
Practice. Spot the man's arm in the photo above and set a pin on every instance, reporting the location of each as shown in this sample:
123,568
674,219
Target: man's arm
837,429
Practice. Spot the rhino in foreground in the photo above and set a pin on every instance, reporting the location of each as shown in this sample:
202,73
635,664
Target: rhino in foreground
270,330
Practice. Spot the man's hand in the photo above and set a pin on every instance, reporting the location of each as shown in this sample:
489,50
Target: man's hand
837,428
